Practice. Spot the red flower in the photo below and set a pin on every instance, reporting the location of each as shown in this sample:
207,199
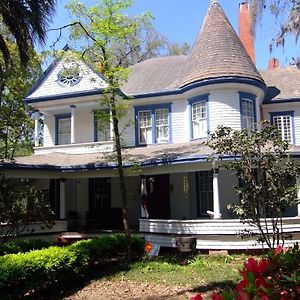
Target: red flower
216,296
251,265
263,265
260,282
278,250
197,297
241,285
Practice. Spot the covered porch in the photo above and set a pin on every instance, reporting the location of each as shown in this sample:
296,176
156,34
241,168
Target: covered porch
211,234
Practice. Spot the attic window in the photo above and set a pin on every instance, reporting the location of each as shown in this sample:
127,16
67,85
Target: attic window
69,75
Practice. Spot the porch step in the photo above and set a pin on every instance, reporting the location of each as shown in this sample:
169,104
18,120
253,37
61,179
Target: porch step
68,238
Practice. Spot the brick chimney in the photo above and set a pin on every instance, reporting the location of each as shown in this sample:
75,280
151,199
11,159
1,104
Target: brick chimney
246,34
273,63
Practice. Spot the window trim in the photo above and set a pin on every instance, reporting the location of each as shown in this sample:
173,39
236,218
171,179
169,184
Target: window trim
290,113
152,108
191,101
95,126
57,118
251,97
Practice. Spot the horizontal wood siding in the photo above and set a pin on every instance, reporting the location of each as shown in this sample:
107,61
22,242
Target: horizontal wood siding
224,109
127,128
84,126
49,130
180,121
50,87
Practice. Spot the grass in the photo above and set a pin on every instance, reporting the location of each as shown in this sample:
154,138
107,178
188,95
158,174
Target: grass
200,270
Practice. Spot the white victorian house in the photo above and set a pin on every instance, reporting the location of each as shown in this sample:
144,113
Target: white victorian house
173,103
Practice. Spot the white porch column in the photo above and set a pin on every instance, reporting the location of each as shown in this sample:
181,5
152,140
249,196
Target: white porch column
62,196
73,124
36,128
216,199
298,195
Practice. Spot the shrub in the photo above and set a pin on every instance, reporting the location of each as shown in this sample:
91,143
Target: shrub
22,246
275,277
24,272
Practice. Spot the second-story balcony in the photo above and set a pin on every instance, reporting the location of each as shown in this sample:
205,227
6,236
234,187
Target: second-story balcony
80,148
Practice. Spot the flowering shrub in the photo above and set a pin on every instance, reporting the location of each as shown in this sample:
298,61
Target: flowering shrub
275,277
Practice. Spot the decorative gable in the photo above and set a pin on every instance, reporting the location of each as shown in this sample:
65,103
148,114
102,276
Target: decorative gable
66,78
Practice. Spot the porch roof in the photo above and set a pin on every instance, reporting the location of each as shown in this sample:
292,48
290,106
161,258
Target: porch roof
162,154
152,155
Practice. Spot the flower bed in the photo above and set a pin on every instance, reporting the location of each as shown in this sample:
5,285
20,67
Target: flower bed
275,277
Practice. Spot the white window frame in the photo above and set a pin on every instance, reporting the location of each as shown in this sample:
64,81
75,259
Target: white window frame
63,138
162,126
199,119
144,129
284,123
248,116
103,132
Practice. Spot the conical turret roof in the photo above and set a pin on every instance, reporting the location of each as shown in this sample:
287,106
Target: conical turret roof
218,51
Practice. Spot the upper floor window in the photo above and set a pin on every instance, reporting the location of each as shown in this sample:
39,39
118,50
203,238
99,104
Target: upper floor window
102,126
152,124
63,129
284,123
247,107
199,118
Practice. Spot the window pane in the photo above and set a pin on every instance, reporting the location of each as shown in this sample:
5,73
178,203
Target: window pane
64,131
199,120
247,114
283,124
145,127
162,125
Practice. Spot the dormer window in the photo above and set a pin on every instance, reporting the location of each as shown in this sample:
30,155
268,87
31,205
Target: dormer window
198,115
152,124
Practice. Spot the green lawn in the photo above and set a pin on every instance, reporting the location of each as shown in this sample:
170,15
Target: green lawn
201,270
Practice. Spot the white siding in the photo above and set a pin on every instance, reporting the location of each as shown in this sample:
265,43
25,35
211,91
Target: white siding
50,87
180,122
224,109
127,123
84,126
49,130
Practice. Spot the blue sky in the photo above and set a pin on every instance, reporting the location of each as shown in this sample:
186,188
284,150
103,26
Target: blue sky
180,20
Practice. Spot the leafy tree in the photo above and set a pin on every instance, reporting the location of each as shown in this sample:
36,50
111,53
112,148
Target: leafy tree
107,28
26,21
15,124
290,8
267,177
20,203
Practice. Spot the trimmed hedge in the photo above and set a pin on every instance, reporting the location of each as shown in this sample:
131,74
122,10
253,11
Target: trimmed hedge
18,246
24,272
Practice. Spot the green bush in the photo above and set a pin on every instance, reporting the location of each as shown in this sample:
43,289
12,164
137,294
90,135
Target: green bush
24,272
22,246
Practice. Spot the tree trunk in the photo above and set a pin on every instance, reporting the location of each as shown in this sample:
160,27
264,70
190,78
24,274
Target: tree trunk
117,142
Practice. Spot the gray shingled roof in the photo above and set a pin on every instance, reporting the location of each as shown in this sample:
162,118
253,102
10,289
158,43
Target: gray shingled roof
218,51
286,80
155,75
